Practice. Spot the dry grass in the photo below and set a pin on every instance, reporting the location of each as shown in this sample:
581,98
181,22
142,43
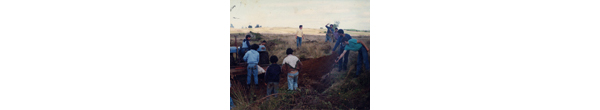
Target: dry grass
289,30
344,92
313,46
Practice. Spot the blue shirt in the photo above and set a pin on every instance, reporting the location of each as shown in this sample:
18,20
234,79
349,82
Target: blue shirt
339,42
260,48
245,43
329,29
251,57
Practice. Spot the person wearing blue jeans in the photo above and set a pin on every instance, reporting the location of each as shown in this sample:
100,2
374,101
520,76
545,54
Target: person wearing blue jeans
291,65
292,81
272,76
329,32
252,58
299,37
341,42
298,42
363,55
231,105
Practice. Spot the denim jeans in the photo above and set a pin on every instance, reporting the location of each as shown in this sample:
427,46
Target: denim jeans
328,37
344,61
231,103
292,81
252,71
272,87
298,42
363,58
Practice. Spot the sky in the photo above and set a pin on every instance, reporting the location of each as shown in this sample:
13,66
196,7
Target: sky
352,14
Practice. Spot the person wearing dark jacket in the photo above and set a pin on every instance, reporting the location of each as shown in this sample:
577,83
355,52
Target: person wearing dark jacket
340,42
245,46
272,76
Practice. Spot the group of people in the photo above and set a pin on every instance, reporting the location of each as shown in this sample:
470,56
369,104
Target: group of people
347,43
292,65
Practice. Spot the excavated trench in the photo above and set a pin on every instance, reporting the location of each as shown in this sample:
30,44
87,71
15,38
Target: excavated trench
310,77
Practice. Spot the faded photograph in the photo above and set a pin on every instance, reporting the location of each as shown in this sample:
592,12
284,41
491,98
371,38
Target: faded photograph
290,54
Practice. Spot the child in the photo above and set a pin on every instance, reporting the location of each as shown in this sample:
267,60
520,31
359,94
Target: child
363,55
272,76
336,36
291,65
299,37
245,46
262,47
343,37
252,58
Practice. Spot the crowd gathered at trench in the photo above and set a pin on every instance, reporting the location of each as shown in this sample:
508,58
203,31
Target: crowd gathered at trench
292,65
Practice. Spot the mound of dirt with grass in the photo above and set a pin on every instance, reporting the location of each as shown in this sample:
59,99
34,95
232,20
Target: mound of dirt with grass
315,69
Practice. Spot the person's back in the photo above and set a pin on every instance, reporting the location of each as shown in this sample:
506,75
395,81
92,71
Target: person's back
292,62
273,72
292,66
252,57
340,42
272,75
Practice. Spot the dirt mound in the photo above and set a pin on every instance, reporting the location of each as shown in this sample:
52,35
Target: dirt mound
314,69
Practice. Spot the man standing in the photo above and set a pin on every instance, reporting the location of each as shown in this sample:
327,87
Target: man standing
299,37
336,36
291,65
340,42
329,35
252,58
363,55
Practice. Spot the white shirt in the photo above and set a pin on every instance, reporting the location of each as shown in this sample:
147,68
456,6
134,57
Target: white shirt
299,33
291,60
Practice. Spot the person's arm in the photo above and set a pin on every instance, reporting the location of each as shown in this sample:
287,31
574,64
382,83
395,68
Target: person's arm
246,57
284,68
337,42
341,56
299,65
266,72
257,58
363,43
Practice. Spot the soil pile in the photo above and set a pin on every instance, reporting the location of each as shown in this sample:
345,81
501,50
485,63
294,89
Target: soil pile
314,70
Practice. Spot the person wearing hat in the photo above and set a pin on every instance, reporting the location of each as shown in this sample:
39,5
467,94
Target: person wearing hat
340,42
252,57
363,55
291,65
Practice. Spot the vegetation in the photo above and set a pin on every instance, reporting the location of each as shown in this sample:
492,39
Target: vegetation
341,90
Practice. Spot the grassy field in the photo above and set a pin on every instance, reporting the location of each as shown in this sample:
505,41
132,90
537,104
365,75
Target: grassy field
288,30
341,91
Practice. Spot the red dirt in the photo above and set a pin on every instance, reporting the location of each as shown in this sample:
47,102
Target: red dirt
316,68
